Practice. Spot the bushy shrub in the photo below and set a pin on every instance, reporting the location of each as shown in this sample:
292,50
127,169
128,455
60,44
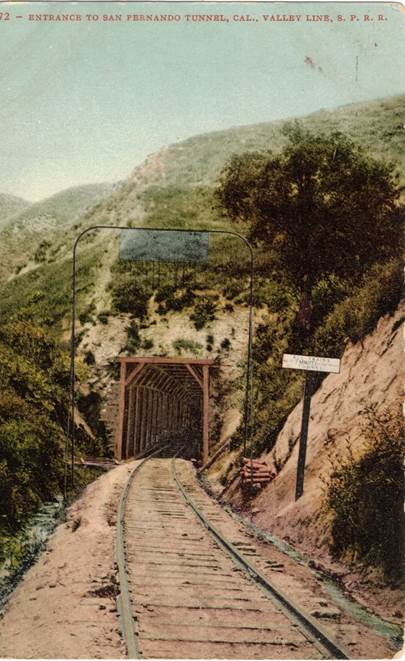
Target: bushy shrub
134,339
204,312
103,317
358,314
90,406
31,466
232,289
365,498
89,358
171,297
41,251
34,376
129,296
188,346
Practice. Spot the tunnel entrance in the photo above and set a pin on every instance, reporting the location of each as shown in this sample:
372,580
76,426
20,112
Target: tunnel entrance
161,399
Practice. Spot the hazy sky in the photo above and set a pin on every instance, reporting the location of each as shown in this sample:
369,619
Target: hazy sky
83,102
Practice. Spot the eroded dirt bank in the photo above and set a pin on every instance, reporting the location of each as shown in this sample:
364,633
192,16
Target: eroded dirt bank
370,376
65,605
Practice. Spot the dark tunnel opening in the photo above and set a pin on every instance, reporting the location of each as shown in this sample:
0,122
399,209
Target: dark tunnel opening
163,401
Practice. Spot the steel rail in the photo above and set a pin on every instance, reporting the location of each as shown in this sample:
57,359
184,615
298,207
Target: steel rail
124,606
320,638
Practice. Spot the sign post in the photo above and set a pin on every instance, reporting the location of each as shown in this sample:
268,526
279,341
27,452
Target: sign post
309,364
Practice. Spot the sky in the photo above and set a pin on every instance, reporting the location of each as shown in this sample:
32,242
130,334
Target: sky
85,102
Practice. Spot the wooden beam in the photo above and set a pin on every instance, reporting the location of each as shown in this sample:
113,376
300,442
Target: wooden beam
133,374
194,375
138,420
143,419
163,360
155,416
121,410
205,413
215,455
130,423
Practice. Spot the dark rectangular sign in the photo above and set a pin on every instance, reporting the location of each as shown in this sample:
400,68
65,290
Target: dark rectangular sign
164,246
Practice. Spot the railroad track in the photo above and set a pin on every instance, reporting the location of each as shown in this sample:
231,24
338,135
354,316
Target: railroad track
188,591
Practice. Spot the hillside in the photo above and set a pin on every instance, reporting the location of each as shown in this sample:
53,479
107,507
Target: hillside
33,235
348,409
378,126
11,206
173,186
126,308
368,377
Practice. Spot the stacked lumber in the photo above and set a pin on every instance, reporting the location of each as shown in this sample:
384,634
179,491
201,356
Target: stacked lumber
255,473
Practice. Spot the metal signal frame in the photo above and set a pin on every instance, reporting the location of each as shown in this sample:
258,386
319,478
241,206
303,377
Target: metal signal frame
247,420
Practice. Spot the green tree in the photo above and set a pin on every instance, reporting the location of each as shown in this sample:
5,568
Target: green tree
322,206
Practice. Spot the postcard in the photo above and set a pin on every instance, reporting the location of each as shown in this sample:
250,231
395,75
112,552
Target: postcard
201,222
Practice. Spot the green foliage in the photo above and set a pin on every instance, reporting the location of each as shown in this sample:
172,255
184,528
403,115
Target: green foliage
188,346
210,342
171,297
323,207
182,207
44,295
87,314
129,296
33,414
357,315
41,251
103,317
204,312
365,498
89,358
134,338
337,321
90,406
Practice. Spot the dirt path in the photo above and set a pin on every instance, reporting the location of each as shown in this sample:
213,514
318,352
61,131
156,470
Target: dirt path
65,605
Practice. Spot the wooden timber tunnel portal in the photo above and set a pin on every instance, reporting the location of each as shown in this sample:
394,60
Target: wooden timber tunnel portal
162,398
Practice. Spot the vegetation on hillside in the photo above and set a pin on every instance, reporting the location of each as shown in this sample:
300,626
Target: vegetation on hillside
364,498
33,417
323,207
44,295
34,413
346,298
10,206
342,314
44,232
198,161
326,217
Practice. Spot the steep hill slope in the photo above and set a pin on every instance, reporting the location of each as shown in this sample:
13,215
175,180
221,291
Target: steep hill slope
378,126
191,167
11,206
370,378
173,186
28,237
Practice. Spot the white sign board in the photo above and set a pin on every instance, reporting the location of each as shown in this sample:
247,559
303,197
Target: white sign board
313,363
